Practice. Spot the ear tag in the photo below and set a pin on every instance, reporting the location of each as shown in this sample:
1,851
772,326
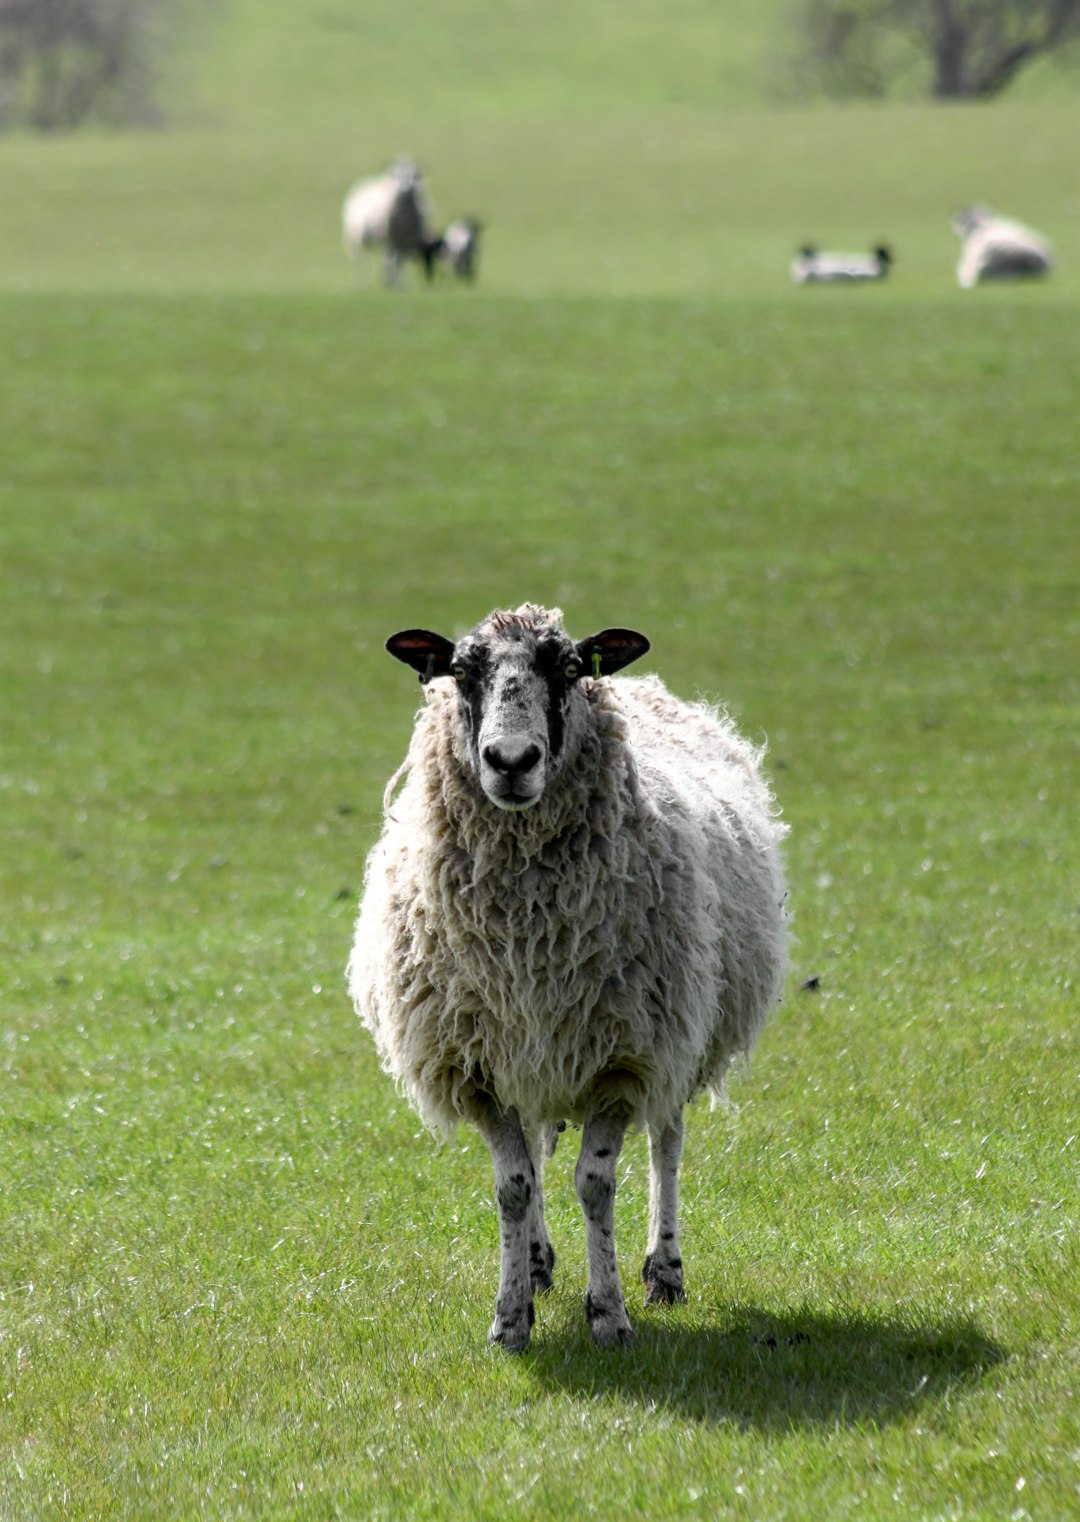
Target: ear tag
596,665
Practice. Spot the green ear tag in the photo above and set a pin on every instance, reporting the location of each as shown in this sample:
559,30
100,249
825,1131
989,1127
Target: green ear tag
596,665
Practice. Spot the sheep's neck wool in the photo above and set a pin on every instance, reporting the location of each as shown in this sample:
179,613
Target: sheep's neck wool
530,952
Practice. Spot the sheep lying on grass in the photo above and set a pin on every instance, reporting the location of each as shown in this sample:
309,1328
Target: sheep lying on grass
809,267
998,248
574,913
390,215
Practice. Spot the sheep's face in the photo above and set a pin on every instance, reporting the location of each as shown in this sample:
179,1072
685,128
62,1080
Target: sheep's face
516,685
969,219
406,175
517,677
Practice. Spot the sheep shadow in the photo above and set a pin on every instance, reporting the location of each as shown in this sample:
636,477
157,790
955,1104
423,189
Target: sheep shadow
761,1369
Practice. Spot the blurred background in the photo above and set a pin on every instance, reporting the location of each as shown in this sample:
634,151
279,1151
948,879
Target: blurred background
642,148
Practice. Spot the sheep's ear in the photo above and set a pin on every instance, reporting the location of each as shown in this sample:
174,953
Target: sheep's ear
611,650
429,654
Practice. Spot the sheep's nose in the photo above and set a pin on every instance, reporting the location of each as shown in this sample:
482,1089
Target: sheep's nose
511,758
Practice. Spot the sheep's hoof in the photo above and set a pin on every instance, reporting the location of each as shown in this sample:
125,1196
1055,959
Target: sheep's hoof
609,1324
512,1332
541,1264
663,1282
660,1291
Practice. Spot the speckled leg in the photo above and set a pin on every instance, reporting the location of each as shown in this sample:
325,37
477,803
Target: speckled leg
663,1271
515,1188
594,1179
541,1144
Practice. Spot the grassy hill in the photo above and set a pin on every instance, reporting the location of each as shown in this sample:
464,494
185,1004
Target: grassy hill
663,202
235,1279
611,149
271,65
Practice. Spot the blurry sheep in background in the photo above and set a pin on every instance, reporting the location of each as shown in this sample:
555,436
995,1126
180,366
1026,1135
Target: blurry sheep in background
809,267
998,248
390,214
461,246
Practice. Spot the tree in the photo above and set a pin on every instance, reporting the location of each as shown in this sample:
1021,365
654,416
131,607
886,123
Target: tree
974,48
65,62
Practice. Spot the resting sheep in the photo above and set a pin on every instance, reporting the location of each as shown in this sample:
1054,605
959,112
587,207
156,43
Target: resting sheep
574,913
809,267
998,248
390,214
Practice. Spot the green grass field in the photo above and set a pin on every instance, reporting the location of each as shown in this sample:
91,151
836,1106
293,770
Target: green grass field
284,65
236,1279
634,203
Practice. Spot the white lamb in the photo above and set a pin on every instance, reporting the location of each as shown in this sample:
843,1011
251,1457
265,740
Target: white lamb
998,248
811,267
575,912
390,215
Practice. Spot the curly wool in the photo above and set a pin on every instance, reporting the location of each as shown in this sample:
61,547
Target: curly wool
627,932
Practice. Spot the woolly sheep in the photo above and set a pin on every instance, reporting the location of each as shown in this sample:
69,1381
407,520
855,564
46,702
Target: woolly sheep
998,248
390,214
809,267
461,246
574,913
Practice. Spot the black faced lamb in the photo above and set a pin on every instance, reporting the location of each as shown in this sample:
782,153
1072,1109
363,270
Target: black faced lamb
574,913
461,246
811,266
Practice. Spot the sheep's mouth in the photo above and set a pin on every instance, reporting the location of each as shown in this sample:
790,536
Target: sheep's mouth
514,802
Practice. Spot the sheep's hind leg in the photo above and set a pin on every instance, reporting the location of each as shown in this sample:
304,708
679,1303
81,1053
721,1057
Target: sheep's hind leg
515,1188
541,1253
594,1179
663,1270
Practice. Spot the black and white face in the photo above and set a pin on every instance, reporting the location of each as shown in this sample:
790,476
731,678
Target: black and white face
406,175
461,241
517,678
516,686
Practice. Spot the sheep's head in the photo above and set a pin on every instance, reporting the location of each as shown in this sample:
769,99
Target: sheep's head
969,219
517,678
406,174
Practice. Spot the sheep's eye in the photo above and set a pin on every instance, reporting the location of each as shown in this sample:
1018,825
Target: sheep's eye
458,673
572,671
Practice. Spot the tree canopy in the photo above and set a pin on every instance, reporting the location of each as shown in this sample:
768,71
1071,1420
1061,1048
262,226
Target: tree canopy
974,48
65,62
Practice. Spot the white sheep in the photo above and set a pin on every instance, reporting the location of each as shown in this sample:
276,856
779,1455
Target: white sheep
574,912
810,267
998,248
390,215
461,246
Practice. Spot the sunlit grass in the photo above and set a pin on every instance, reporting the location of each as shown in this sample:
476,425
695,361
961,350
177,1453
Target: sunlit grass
235,1277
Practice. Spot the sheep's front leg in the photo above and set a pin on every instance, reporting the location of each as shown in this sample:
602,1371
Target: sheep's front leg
541,1143
515,1185
594,1178
663,1271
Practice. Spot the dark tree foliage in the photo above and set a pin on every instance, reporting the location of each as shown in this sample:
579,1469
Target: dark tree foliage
973,47
66,62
